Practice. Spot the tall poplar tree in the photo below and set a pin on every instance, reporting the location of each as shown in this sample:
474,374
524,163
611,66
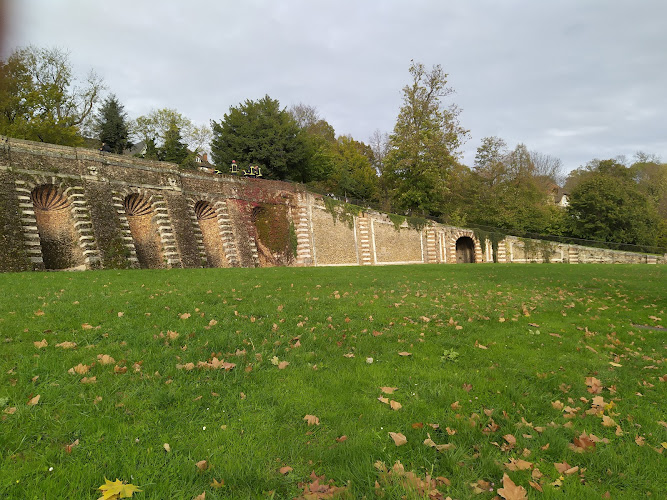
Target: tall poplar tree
424,146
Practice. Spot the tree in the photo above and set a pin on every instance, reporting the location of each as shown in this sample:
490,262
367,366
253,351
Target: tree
173,149
608,205
111,125
260,133
156,125
424,146
40,98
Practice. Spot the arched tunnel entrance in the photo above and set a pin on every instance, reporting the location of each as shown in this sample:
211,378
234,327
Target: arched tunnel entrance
465,250
55,225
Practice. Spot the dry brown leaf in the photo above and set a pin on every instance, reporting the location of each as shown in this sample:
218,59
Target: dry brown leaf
608,421
455,406
185,316
81,369
34,401
217,484
511,491
399,439
283,364
518,464
594,385
202,465
166,447
10,411
39,312
341,439
87,326
404,353
119,369
105,359
535,485
312,420
200,497
481,486
285,470
66,345
510,439
388,390
395,405
68,447
384,400
89,380
40,344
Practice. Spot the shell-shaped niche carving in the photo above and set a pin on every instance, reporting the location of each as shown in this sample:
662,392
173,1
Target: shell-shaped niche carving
204,210
136,205
48,197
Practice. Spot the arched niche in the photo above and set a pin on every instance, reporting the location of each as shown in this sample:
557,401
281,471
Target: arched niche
55,225
207,219
465,250
139,212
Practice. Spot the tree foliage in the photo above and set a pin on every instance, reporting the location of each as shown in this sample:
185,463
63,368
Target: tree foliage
111,125
609,206
424,146
261,133
41,99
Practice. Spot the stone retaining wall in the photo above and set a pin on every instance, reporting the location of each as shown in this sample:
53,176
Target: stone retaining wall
96,231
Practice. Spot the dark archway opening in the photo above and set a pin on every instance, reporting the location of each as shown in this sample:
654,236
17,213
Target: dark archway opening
208,224
58,239
465,250
139,212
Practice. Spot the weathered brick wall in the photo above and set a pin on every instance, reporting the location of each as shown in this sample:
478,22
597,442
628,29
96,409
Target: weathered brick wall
320,234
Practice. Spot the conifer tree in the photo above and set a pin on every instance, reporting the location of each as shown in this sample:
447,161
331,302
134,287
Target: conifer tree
173,149
111,125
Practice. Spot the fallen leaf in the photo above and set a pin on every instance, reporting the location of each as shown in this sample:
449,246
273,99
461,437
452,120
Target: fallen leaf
312,420
518,464
166,447
34,401
66,345
116,489
217,484
395,405
89,380
341,439
105,359
81,369
388,390
399,439
283,364
285,470
455,406
511,491
403,353
40,344
202,496
202,465
185,316
68,447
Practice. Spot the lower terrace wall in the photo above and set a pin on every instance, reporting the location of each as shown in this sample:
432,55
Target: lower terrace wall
123,212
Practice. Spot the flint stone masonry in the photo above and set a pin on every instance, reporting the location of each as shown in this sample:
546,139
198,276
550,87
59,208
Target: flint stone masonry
98,233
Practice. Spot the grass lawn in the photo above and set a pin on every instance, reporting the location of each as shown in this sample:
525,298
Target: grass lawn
277,383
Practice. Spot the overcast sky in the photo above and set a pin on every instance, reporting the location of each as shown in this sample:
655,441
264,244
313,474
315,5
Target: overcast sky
576,79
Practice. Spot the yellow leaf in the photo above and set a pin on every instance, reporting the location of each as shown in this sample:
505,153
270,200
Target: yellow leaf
511,491
217,484
116,489
166,447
